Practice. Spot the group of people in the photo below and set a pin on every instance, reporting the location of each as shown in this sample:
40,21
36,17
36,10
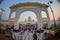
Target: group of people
28,34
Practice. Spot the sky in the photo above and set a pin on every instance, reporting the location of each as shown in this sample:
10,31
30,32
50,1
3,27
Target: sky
7,3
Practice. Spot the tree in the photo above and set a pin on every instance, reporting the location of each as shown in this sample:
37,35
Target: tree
50,2
58,1
1,1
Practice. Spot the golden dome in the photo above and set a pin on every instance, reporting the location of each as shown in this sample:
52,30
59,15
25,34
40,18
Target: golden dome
29,18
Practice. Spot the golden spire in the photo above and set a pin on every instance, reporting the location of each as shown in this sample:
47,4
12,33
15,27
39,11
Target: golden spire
29,18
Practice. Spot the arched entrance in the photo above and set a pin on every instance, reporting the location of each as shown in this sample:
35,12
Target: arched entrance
28,20
31,6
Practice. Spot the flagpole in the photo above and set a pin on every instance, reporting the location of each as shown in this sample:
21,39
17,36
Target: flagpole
52,13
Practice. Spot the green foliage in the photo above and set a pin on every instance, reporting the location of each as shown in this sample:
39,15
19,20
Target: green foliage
52,27
45,26
1,25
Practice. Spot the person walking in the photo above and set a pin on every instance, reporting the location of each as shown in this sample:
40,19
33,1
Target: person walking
35,36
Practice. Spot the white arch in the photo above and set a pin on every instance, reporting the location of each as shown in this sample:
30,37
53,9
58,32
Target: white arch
44,15
24,15
13,15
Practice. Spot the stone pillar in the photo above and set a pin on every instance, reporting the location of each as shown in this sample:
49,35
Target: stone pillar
39,19
10,14
48,18
10,17
16,23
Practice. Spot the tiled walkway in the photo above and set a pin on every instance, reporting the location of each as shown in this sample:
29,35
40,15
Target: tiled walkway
3,37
